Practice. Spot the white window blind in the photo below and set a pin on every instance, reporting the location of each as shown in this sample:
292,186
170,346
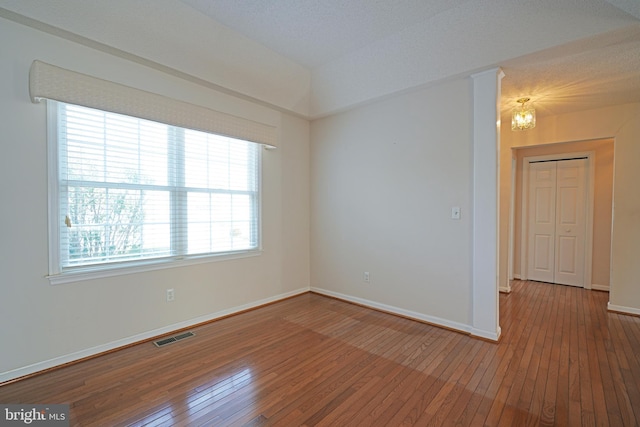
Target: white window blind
131,189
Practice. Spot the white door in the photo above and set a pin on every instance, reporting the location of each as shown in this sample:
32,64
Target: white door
556,238
542,222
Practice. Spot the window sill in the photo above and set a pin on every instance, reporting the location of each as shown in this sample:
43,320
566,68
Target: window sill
99,272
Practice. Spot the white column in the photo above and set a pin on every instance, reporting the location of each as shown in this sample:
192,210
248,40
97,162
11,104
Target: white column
486,143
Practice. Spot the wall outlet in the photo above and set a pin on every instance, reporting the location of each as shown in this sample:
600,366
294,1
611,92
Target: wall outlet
171,295
366,277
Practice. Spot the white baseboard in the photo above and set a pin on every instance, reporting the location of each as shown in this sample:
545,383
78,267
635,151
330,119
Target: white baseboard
517,277
600,287
436,321
491,336
57,361
623,309
505,289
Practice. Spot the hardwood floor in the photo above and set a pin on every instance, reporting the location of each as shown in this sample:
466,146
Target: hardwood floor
563,360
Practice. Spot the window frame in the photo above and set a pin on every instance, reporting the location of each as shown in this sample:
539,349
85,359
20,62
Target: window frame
59,275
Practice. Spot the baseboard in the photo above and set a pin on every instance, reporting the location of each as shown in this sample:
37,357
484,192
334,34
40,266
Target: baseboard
505,289
624,310
486,335
146,336
517,277
600,287
432,320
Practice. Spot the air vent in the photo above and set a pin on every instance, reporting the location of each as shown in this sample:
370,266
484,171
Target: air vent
175,338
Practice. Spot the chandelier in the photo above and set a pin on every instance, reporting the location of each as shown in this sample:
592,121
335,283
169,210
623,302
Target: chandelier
523,117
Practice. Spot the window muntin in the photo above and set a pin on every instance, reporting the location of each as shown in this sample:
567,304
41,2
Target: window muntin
135,190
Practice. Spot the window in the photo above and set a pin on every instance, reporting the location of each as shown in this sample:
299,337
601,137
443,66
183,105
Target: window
130,191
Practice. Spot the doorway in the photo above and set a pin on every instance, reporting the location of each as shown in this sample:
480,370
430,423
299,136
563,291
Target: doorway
578,261
601,186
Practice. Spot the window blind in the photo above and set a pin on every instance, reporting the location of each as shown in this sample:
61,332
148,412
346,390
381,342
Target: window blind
133,189
47,81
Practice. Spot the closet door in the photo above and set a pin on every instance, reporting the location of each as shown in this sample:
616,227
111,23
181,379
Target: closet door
542,221
570,222
556,231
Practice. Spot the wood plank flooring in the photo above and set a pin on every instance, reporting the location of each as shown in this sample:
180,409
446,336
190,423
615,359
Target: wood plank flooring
563,360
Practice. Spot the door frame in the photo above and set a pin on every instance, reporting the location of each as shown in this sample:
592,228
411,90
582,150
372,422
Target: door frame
524,222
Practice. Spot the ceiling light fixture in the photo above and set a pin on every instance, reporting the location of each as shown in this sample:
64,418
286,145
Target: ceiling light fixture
523,117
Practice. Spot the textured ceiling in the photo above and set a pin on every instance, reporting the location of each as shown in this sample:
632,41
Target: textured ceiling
594,71
587,74
316,57
314,32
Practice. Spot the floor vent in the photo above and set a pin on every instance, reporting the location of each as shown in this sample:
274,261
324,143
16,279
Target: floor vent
175,338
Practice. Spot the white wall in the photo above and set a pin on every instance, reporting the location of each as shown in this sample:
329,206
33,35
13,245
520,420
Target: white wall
384,178
43,325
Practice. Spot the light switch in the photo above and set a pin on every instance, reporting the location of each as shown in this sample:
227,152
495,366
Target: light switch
455,212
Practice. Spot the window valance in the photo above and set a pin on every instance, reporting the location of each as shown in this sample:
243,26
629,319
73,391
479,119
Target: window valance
48,81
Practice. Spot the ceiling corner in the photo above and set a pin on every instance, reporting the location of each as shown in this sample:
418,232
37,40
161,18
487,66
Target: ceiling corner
631,7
